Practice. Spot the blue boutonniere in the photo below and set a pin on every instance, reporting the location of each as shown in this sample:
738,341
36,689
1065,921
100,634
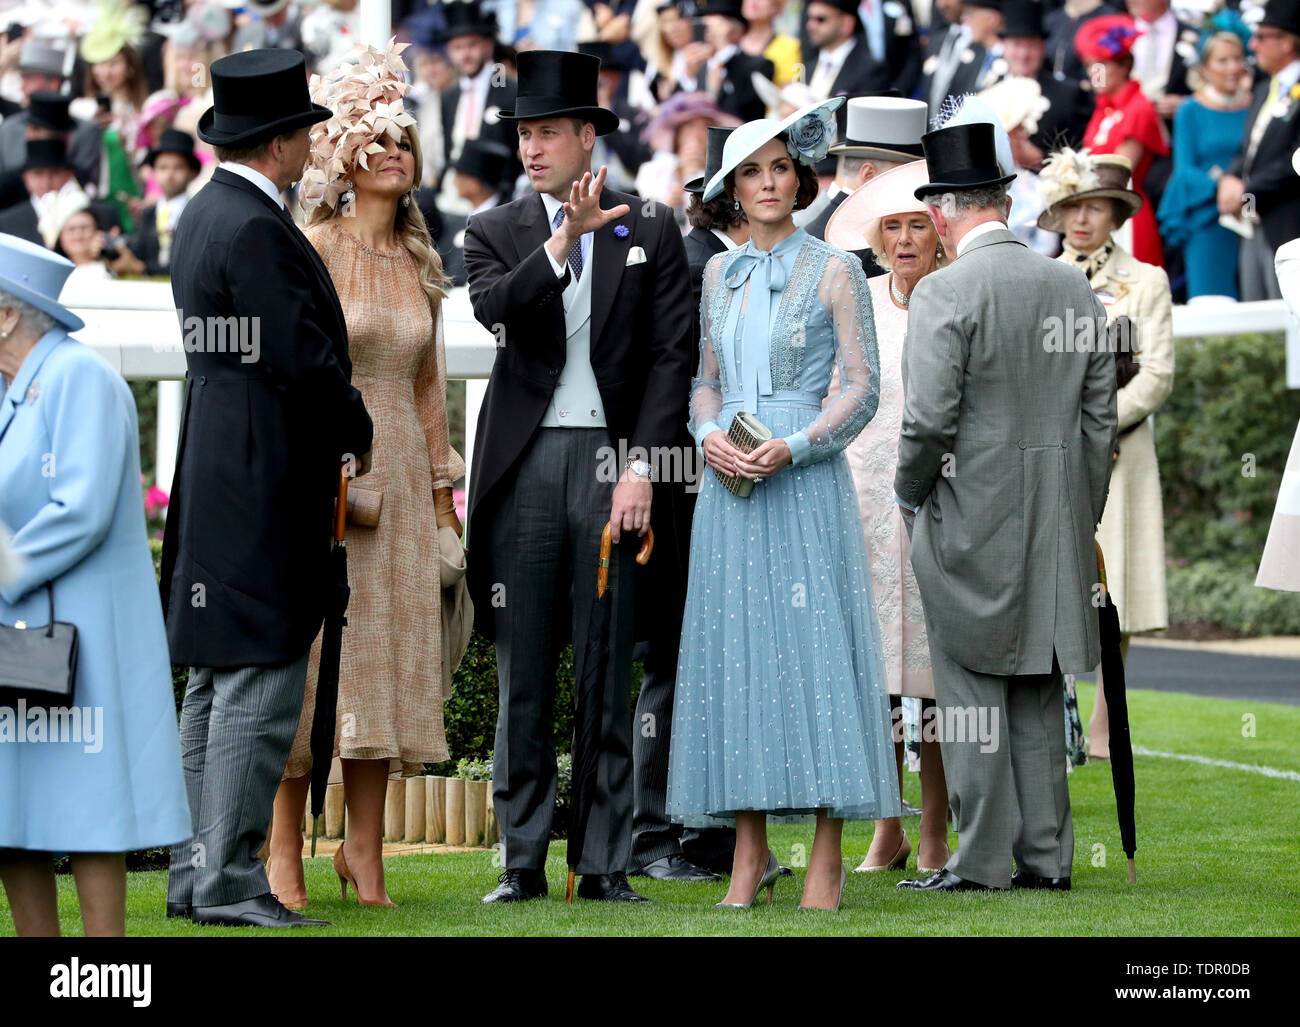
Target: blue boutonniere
621,231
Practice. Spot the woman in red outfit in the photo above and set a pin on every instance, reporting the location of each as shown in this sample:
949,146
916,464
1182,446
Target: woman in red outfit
1125,121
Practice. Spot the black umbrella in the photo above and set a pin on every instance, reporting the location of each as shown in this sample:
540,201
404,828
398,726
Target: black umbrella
1121,744
331,649
589,702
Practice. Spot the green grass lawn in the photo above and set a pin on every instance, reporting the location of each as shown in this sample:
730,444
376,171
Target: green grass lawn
1216,856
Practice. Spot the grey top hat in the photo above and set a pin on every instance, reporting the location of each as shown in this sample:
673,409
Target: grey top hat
884,128
39,57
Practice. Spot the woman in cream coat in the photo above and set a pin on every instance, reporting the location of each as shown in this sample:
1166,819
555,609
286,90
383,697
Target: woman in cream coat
1089,200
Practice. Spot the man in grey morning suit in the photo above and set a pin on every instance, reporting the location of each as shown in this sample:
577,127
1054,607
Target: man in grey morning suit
1003,465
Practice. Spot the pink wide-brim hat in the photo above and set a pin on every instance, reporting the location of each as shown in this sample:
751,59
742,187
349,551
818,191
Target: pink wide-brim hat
854,225
678,109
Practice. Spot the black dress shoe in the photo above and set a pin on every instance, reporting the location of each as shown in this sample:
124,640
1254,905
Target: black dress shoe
259,911
1024,879
518,884
179,909
608,888
675,868
944,880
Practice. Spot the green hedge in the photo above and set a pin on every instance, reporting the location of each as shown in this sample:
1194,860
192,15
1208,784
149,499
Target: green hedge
1222,440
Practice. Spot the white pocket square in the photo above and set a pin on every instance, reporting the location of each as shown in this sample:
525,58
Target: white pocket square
635,255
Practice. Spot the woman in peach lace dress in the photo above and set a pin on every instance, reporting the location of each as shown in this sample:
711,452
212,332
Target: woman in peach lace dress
374,242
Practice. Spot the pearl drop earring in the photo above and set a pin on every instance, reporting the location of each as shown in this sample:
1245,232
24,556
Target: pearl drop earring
737,204
406,199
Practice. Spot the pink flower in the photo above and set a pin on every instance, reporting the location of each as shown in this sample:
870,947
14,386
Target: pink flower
458,497
155,500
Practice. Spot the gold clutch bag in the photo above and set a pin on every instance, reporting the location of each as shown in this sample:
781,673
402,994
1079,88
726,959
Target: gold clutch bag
747,433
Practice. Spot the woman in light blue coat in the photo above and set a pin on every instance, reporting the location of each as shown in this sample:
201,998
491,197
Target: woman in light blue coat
108,780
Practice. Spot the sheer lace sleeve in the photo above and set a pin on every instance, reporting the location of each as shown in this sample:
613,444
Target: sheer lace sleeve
843,290
706,390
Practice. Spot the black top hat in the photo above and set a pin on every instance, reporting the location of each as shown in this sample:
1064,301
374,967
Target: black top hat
609,58
961,157
173,140
46,153
713,161
258,94
49,111
730,8
559,84
464,18
847,6
992,5
1022,19
484,160
1282,14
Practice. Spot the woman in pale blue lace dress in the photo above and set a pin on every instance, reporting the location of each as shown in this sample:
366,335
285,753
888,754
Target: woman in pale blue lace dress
782,702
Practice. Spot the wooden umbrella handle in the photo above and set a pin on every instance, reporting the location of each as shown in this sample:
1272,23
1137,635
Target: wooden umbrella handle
341,507
606,543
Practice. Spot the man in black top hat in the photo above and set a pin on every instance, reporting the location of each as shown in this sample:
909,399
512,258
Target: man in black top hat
850,59
45,111
269,416
1024,47
623,151
45,170
471,108
727,74
174,167
1261,184
587,293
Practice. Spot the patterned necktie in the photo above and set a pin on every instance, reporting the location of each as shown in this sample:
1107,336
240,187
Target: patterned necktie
575,254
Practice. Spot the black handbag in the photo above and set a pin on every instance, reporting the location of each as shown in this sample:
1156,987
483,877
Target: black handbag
38,664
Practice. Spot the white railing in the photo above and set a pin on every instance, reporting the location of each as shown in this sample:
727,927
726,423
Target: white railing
134,326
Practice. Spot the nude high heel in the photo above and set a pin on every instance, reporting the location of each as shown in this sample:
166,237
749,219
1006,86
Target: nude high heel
898,861
346,878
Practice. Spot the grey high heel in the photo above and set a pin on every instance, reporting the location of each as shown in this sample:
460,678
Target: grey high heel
768,881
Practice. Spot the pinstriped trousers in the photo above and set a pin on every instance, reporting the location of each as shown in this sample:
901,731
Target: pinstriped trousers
237,727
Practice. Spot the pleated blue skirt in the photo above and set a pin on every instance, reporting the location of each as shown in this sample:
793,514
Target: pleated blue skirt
781,702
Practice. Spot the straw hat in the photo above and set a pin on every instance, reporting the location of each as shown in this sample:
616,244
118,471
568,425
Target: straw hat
1069,176
855,225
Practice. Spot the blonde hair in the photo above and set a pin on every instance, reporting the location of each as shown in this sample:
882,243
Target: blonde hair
410,227
876,239
1196,76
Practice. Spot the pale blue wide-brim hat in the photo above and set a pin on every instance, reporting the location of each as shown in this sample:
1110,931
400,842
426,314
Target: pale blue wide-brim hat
36,275
812,133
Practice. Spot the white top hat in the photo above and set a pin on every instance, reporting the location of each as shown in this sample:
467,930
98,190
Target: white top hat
884,127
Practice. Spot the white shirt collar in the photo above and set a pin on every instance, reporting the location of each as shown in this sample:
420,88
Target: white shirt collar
477,82
976,232
488,204
257,178
1288,76
727,240
836,57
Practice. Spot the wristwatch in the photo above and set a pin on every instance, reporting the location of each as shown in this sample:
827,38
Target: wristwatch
640,468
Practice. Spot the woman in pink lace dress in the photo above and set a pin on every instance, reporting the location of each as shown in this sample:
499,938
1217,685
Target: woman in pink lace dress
885,217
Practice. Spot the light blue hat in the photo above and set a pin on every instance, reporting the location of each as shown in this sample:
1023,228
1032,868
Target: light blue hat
812,131
36,275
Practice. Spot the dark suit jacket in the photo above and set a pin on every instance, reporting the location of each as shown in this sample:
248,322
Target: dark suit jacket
502,98
143,242
1269,176
901,69
737,94
640,344
246,567
1067,118
20,220
817,228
